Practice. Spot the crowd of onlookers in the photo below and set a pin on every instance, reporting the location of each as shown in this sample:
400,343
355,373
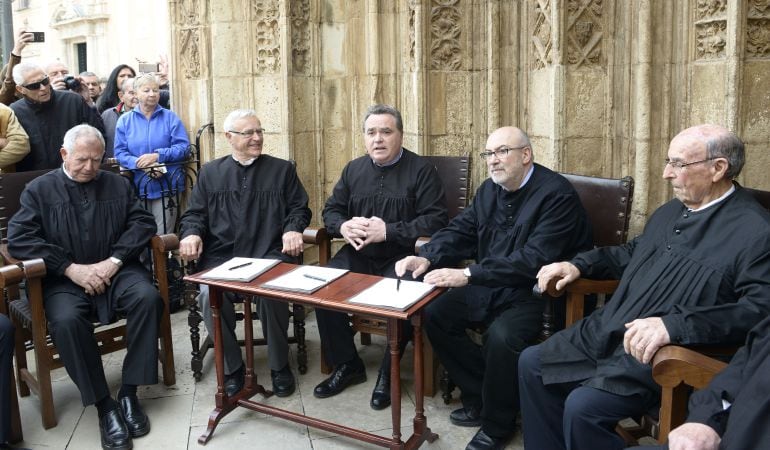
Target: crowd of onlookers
130,109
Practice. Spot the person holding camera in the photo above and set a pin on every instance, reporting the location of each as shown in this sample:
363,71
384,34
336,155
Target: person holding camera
62,80
8,88
46,114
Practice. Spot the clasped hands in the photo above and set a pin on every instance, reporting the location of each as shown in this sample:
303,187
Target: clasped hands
362,231
643,337
93,278
439,277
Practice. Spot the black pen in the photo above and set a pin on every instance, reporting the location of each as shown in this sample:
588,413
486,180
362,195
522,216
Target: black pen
240,265
313,277
398,283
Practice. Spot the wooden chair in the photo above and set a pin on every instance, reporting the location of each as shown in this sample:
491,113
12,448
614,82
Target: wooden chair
675,368
29,318
11,272
165,244
455,178
607,202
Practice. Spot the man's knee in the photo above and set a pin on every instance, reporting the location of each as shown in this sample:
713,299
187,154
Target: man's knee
501,338
148,299
529,361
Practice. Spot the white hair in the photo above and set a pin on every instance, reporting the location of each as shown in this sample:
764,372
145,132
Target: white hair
237,115
21,70
81,131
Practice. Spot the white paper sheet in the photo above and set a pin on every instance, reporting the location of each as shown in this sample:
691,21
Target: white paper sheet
305,279
384,293
240,269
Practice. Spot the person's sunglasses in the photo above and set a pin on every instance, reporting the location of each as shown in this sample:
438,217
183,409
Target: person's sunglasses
36,85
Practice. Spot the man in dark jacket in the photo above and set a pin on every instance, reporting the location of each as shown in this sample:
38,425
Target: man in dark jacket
698,274
523,216
46,114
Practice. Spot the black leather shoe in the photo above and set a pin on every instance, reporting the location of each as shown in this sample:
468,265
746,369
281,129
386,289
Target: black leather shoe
344,375
483,441
136,420
466,417
283,382
234,382
381,393
115,435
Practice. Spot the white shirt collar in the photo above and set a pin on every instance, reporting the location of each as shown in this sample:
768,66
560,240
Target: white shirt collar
246,163
714,202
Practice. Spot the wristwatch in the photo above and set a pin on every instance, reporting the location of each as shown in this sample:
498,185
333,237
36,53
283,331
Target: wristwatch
467,272
117,262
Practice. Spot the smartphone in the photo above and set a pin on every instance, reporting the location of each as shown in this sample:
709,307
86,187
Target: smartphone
38,36
148,67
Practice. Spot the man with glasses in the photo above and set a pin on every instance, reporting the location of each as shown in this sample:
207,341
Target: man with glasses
698,274
251,205
522,217
46,115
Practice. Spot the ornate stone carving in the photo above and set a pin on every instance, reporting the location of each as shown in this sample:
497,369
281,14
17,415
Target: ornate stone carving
266,36
584,32
710,38
189,44
411,62
758,38
758,29
445,50
710,8
189,13
541,34
299,13
759,7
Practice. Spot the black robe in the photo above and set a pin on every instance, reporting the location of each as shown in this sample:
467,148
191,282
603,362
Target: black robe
511,235
408,196
745,383
244,210
46,124
65,222
705,273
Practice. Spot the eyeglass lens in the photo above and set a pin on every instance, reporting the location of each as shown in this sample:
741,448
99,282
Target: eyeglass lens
36,85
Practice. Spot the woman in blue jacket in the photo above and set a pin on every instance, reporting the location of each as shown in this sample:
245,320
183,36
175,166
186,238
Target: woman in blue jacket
151,140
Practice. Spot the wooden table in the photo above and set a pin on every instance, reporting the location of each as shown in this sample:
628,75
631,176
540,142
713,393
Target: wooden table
333,296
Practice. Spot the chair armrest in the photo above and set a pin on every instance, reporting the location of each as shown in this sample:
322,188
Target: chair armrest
319,236
165,242
419,243
11,275
673,364
574,294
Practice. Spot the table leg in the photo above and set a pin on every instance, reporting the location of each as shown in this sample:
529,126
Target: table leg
251,386
420,422
394,330
194,320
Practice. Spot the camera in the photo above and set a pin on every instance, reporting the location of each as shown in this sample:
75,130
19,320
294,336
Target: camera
72,83
38,36
149,68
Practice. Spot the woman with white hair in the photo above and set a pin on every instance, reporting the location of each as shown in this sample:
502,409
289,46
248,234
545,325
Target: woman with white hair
153,142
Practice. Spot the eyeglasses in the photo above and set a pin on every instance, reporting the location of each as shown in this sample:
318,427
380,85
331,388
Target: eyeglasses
36,85
499,152
249,133
679,165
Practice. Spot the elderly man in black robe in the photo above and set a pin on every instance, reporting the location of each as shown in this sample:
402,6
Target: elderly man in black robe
90,228
698,274
251,205
522,217
733,411
382,203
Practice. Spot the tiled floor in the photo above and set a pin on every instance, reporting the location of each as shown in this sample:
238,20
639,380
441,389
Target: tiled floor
179,413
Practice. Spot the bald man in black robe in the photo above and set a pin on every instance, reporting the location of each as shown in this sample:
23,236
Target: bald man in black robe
698,274
89,228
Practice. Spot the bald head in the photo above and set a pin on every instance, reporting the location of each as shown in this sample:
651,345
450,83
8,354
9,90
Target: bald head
717,142
509,157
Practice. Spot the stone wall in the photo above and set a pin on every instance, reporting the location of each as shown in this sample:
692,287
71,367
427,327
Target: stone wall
601,86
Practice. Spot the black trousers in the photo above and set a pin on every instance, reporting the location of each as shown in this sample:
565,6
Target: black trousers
568,415
6,355
486,375
69,320
333,326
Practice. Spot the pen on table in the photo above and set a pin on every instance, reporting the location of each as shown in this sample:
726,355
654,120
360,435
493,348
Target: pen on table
240,265
398,283
313,277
